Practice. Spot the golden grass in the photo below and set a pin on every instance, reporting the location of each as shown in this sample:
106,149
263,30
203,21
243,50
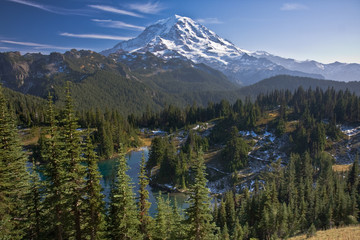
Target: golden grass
270,116
345,233
290,126
29,136
213,155
146,141
341,168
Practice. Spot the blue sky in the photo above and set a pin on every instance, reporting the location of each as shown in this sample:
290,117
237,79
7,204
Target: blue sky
322,30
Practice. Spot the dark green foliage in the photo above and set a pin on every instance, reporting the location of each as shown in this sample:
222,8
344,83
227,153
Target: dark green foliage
199,212
143,201
75,170
95,207
35,218
235,154
298,198
54,178
14,179
156,154
311,231
163,227
29,110
123,222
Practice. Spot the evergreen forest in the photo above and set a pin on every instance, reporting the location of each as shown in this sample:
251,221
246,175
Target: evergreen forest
52,190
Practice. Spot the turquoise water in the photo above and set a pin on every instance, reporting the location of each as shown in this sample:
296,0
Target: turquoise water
108,169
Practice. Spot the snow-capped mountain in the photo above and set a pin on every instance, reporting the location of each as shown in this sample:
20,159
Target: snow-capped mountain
182,37
334,71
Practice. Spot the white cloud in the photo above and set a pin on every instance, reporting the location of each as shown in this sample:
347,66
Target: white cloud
35,45
209,21
116,24
52,9
95,36
293,7
150,7
115,10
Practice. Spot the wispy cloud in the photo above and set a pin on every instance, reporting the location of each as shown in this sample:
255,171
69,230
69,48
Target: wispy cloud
209,21
95,36
36,45
115,10
293,7
4,48
116,24
150,7
52,9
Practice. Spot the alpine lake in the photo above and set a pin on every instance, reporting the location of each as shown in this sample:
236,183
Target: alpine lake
108,167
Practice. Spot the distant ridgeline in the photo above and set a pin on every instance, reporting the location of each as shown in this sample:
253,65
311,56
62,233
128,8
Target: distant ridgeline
136,82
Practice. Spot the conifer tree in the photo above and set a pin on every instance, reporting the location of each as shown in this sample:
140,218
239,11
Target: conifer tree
199,211
76,171
123,220
238,232
35,205
14,185
94,208
225,233
144,203
163,226
54,178
178,228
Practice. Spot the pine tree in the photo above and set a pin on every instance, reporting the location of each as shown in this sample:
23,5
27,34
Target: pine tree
163,221
14,185
238,232
94,207
179,228
76,171
199,211
230,211
123,220
144,203
225,233
54,177
35,205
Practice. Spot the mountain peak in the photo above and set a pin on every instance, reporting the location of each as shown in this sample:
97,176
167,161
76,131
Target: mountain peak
174,19
179,36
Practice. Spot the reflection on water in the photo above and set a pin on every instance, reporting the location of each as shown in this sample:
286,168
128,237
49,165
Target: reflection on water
108,170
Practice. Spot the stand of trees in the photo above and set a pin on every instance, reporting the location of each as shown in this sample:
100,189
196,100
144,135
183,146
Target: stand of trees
67,203
303,196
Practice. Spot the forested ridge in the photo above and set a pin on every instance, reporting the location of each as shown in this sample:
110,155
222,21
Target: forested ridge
55,192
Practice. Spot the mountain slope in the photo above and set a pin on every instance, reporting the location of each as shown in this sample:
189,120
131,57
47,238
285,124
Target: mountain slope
334,71
129,84
182,37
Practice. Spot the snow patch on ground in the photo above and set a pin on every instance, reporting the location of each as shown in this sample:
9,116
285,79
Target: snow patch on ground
350,131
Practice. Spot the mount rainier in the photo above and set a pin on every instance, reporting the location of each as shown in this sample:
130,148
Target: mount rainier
182,37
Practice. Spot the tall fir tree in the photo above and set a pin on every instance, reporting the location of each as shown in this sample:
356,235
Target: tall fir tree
178,226
144,204
54,177
73,163
95,206
199,212
123,222
14,178
163,226
35,205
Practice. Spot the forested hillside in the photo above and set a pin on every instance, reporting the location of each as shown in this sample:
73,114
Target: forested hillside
131,83
300,193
